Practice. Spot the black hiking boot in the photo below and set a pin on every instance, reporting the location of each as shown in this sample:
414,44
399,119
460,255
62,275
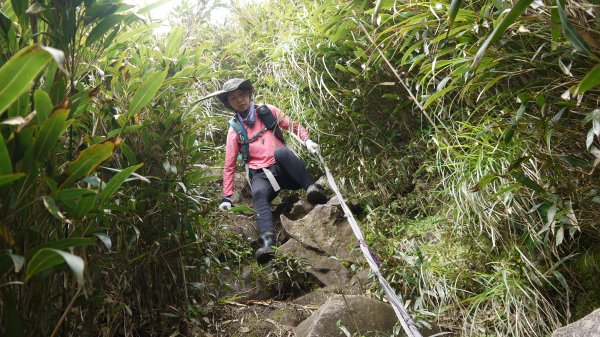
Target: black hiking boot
315,194
266,252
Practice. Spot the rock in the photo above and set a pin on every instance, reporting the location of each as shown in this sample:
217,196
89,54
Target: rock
249,287
589,326
355,207
327,270
245,226
317,297
358,283
326,230
259,319
358,314
300,209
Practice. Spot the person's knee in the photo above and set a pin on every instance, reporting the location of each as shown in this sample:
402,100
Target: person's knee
281,153
260,193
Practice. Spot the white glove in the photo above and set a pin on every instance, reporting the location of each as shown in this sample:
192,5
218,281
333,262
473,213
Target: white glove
312,146
225,204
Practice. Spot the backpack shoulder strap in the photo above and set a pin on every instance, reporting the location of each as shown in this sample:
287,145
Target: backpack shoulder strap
242,138
268,118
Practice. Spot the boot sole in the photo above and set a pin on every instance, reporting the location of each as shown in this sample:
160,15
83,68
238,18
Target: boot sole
264,255
316,198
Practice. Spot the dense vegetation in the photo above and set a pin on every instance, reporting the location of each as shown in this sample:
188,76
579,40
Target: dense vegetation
469,131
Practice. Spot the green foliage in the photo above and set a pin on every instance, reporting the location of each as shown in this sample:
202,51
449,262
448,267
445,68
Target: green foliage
480,212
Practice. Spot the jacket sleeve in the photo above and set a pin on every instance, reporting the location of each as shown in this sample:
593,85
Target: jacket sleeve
232,149
286,123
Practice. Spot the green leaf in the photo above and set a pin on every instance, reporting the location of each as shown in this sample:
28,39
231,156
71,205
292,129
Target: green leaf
64,244
520,177
5,162
116,181
17,75
152,6
508,20
89,159
174,42
590,80
50,132
43,105
50,205
6,179
145,93
83,206
47,258
241,209
485,180
570,31
437,95
102,27
123,37
14,327
70,194
105,239
454,7
17,260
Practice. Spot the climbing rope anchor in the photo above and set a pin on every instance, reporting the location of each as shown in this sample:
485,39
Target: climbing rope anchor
406,321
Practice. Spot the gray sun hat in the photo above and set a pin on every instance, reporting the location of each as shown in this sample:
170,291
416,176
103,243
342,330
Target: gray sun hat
228,87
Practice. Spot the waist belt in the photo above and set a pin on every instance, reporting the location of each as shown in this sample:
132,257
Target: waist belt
268,173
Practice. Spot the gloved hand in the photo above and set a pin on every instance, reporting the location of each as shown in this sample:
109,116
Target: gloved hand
225,204
312,146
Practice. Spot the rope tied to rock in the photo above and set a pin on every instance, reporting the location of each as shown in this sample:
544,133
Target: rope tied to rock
406,321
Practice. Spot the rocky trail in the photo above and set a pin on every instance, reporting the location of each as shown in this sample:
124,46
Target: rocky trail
325,289
318,284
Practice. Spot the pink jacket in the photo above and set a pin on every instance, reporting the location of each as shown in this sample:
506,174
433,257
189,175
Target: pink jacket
261,151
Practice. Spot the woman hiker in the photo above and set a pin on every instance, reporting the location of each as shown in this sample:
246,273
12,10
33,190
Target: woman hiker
270,165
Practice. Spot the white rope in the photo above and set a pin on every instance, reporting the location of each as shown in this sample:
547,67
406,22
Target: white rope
405,320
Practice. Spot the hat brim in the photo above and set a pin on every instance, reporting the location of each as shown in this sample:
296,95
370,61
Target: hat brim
216,93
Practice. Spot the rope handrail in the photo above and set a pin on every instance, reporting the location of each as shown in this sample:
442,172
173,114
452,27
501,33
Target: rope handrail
406,321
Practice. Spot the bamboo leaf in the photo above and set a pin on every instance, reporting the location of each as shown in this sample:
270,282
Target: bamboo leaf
570,31
105,239
520,177
437,95
508,20
116,181
241,209
452,12
50,205
17,261
102,27
70,194
17,75
64,244
14,327
50,132
6,179
174,42
590,80
485,180
146,92
47,258
5,162
89,159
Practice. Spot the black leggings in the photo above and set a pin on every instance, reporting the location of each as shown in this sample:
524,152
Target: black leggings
291,174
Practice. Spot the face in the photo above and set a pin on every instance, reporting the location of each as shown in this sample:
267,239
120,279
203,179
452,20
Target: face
239,100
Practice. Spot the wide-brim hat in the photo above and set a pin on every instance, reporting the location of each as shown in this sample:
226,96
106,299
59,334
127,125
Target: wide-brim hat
228,87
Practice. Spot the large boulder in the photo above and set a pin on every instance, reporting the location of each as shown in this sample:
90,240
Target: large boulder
357,314
326,230
244,225
329,271
589,326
